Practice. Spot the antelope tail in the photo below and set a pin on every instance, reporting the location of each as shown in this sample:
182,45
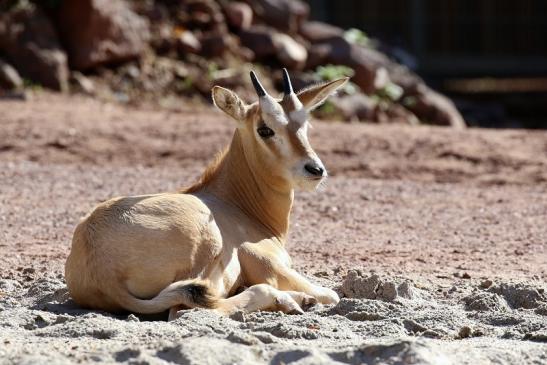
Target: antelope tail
190,293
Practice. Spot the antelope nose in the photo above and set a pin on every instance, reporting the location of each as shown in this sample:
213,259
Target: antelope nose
314,169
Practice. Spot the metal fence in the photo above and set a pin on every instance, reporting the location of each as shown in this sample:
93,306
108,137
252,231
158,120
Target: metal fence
452,37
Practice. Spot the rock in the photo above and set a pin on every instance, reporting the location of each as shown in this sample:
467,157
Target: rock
187,42
9,78
215,44
316,32
29,42
239,15
258,39
366,63
355,107
284,15
395,113
82,83
265,42
205,15
486,284
290,53
433,108
465,332
100,32
374,71
163,38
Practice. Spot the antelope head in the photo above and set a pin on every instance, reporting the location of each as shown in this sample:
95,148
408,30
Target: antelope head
274,132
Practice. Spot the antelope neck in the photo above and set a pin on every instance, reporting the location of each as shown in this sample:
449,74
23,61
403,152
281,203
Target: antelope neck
237,183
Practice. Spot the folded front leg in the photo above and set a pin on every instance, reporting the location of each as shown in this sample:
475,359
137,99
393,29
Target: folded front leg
261,297
270,263
290,279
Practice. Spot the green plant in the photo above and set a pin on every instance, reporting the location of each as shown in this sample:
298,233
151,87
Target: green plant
357,36
391,91
333,72
212,69
30,84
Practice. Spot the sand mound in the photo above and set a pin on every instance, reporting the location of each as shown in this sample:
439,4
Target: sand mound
40,324
359,285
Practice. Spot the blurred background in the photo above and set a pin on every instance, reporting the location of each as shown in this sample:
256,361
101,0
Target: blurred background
455,63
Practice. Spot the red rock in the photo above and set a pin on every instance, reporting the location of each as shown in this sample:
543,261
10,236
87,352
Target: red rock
284,15
29,41
290,53
259,39
239,15
364,61
355,107
99,32
215,44
316,32
433,108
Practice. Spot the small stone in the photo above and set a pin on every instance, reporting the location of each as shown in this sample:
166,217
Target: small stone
132,318
9,77
29,270
541,309
238,316
486,284
82,83
239,15
466,275
464,332
188,43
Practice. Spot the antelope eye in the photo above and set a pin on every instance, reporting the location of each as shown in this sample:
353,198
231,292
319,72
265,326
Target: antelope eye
265,132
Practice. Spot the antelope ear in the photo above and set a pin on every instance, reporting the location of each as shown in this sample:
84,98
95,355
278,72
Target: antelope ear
316,95
228,101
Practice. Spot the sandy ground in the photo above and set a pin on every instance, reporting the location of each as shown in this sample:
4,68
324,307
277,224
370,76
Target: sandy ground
447,230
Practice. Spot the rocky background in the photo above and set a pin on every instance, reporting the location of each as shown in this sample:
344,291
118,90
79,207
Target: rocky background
160,51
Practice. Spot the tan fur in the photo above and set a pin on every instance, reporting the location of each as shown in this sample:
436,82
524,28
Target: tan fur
208,175
195,248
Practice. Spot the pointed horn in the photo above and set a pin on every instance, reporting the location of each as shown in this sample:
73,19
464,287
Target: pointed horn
258,86
287,86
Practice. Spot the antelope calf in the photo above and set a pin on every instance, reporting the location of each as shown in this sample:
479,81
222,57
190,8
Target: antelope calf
199,247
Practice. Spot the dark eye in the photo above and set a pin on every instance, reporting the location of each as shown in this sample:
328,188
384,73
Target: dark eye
265,132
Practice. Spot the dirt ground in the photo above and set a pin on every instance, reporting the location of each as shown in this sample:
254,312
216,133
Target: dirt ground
459,216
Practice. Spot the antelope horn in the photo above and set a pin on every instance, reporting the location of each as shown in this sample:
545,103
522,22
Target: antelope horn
287,86
258,86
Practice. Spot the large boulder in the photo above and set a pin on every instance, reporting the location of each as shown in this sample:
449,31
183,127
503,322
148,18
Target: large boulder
215,44
289,52
29,42
374,71
432,107
366,62
315,32
266,42
239,15
259,39
99,32
284,15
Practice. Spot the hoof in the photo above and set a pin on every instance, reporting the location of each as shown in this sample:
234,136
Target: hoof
308,302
